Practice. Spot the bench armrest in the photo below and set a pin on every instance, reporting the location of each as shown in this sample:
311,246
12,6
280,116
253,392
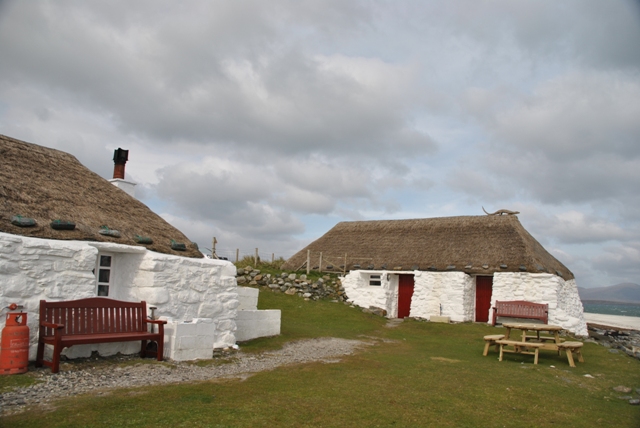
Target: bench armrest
51,325
157,321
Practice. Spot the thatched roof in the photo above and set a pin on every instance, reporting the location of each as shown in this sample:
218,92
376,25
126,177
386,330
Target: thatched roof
47,184
472,244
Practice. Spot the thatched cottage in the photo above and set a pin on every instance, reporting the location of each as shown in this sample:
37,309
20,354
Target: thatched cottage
118,248
451,266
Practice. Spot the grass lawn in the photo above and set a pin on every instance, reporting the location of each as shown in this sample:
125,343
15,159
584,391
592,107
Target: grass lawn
418,374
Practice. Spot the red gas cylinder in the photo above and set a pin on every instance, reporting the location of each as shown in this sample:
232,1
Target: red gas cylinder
14,352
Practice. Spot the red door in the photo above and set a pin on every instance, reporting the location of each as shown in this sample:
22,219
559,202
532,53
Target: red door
405,292
484,285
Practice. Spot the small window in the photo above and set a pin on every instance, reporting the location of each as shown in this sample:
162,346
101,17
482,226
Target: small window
103,275
375,280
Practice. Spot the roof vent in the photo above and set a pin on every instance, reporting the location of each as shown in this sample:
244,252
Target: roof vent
485,266
432,268
451,267
469,266
523,268
559,273
503,266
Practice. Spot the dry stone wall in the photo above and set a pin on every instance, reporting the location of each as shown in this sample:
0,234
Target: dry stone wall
327,287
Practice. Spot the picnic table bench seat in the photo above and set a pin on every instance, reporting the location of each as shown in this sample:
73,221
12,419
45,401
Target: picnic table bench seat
520,347
521,309
94,320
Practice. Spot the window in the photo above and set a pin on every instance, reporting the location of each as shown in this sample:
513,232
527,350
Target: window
103,275
374,280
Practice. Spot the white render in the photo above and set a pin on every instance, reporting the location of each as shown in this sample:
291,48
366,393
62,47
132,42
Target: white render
452,294
127,186
189,340
253,323
183,289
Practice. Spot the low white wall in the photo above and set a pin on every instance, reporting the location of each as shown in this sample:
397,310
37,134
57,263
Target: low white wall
183,289
189,340
248,298
253,323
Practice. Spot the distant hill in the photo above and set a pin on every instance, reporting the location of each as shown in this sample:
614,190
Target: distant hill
622,293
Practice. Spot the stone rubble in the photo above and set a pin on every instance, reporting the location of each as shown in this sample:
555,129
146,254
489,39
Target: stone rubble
88,376
627,341
327,287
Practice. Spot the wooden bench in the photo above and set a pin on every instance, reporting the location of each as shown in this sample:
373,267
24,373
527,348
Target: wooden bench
520,348
572,348
521,309
94,320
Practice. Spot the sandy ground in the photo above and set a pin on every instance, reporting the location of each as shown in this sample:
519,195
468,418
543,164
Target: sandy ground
631,323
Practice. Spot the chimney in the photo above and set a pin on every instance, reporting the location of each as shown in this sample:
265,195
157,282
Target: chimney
120,158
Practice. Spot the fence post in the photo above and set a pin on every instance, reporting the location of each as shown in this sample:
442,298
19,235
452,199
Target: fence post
320,263
273,257
256,258
308,261
237,254
344,271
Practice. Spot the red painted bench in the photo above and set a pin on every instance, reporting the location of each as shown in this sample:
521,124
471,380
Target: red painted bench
521,309
94,320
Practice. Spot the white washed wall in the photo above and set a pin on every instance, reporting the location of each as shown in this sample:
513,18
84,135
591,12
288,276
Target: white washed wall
34,269
453,291
357,288
565,307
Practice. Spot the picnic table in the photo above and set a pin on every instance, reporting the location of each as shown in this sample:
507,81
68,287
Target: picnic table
530,341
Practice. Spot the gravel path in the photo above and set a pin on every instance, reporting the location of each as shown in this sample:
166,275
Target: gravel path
99,378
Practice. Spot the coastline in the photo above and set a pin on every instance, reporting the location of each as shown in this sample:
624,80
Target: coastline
614,321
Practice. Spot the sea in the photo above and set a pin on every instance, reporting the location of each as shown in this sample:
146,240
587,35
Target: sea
611,308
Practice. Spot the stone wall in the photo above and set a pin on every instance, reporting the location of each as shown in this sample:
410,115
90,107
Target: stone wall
183,289
293,284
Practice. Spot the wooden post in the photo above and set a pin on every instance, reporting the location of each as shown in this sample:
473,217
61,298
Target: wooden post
237,254
320,263
308,261
214,255
273,257
344,271
256,258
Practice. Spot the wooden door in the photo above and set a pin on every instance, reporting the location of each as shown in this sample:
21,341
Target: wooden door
405,292
484,286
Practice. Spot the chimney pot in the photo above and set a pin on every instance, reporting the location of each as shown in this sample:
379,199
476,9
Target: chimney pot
120,158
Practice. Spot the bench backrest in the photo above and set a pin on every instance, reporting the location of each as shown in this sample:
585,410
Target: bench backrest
95,315
521,309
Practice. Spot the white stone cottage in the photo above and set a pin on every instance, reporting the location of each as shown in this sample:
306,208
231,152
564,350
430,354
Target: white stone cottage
198,296
455,267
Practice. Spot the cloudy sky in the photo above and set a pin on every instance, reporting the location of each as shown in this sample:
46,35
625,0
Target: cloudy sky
264,123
